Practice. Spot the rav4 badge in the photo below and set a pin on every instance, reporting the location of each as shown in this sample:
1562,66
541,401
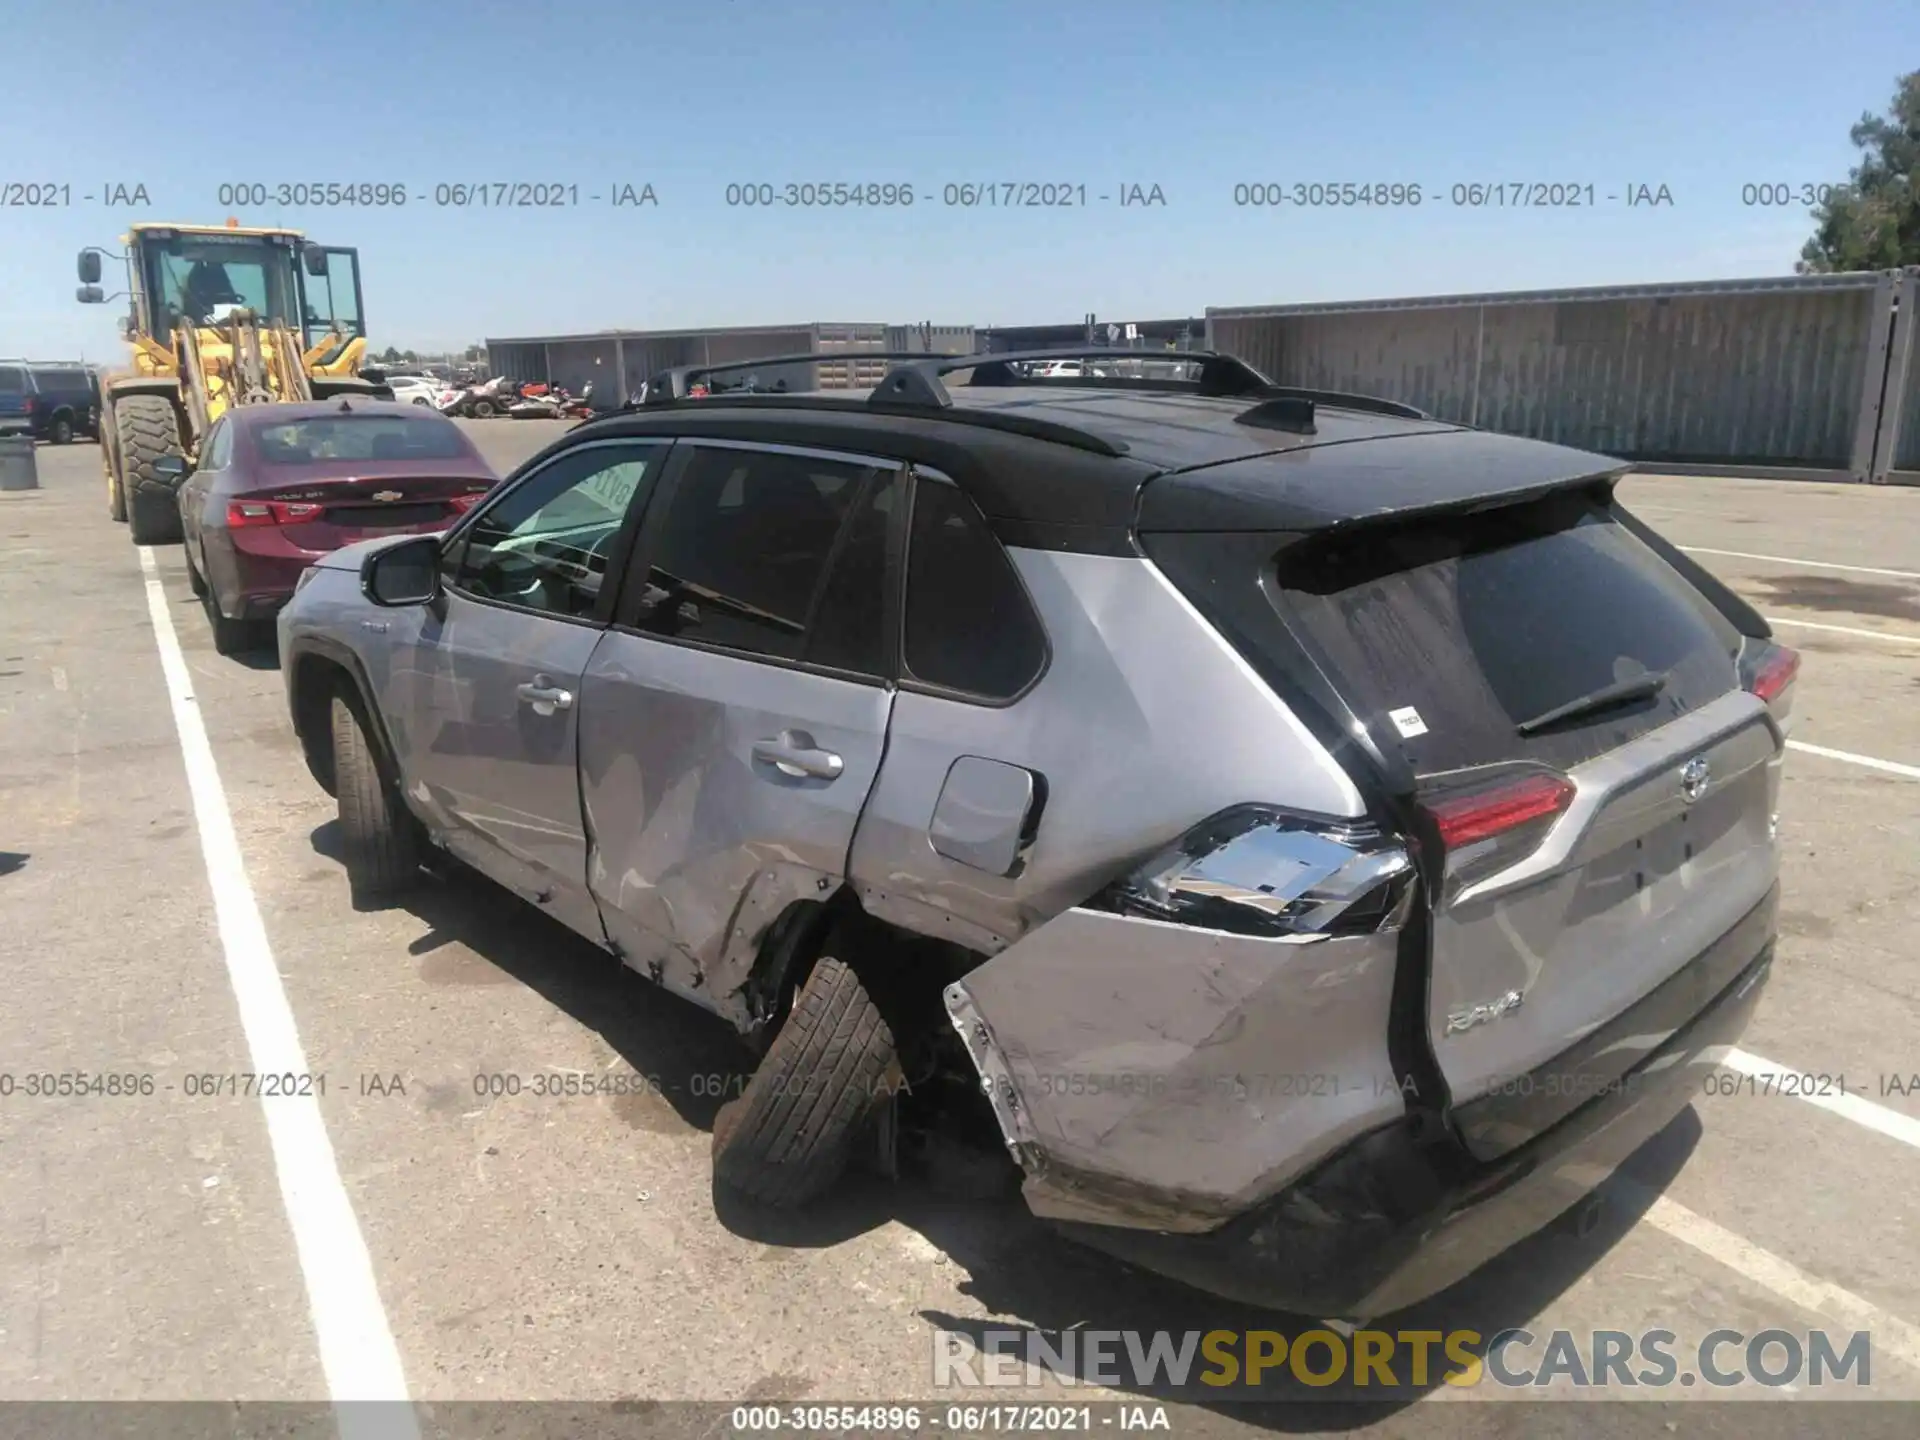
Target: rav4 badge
1472,1015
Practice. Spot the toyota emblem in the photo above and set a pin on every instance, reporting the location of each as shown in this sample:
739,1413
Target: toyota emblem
1693,777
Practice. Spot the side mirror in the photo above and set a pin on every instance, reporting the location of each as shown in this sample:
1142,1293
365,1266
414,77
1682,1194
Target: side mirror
170,467
90,295
89,267
316,260
404,574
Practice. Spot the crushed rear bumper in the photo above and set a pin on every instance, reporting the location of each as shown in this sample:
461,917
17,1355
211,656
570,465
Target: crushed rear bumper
1390,1219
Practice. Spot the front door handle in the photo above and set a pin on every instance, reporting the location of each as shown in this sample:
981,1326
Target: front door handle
544,697
794,754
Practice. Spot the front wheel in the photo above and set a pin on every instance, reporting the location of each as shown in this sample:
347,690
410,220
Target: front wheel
379,837
483,409
147,430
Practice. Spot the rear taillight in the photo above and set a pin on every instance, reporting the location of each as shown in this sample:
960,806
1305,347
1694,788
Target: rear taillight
1464,819
242,514
464,503
1489,822
1260,870
1769,670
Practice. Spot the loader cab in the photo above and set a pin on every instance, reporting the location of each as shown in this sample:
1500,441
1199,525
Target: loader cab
194,277
331,303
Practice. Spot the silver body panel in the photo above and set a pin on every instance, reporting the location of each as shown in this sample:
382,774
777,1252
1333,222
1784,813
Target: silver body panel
1144,723
488,764
701,840
1631,883
1167,1077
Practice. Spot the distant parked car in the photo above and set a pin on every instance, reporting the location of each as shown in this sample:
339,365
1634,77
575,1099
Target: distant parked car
280,486
414,389
55,403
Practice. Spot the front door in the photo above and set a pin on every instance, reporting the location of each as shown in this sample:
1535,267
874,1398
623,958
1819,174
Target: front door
495,679
734,717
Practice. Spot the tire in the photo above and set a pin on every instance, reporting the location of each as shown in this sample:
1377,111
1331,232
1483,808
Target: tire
61,431
379,837
792,1131
423,400
116,497
230,637
147,430
483,409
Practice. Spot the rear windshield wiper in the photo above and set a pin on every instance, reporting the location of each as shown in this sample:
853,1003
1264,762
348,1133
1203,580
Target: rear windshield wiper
1637,687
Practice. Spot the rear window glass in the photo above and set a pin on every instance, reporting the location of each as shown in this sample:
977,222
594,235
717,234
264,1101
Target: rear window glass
359,437
1466,627
13,380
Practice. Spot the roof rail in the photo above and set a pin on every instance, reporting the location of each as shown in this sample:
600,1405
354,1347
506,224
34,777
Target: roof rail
677,383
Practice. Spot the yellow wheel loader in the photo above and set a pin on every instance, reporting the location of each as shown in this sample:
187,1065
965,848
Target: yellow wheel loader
218,316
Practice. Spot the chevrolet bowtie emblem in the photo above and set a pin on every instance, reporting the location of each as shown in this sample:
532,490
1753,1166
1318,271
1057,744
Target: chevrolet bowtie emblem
386,495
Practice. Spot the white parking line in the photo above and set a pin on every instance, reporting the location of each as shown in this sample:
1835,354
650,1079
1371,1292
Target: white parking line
357,1349
1857,1108
1892,767
1796,560
1897,637
1891,1334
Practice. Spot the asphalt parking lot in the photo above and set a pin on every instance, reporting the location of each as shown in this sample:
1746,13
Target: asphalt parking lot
570,1248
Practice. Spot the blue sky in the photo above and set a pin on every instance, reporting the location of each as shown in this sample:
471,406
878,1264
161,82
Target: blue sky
1194,96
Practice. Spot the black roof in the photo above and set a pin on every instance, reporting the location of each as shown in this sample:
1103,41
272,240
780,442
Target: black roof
1083,463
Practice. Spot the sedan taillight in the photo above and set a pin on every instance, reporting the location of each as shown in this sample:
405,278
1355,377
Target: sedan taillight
242,514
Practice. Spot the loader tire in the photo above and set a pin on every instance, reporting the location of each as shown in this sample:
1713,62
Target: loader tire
147,430
790,1134
110,459
379,838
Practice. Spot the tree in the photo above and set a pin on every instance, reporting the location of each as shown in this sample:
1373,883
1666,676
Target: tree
409,356
476,352
1873,222
390,355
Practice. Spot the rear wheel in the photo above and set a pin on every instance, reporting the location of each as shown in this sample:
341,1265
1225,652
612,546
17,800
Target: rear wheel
792,1131
61,431
379,837
483,409
147,431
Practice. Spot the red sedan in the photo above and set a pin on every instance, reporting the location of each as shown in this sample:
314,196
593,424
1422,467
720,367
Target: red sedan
278,486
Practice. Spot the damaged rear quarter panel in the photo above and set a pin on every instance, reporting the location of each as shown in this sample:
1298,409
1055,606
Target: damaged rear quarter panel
1162,1076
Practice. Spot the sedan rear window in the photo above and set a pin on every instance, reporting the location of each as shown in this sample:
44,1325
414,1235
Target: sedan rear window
1453,633
329,438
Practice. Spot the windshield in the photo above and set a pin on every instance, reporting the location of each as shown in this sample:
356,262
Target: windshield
360,437
200,278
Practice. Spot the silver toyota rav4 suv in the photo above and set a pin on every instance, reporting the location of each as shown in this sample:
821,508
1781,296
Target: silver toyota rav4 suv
1326,840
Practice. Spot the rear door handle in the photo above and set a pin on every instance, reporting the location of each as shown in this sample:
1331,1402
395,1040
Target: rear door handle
794,754
545,698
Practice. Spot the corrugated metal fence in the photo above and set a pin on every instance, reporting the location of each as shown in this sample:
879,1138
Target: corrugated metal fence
1795,375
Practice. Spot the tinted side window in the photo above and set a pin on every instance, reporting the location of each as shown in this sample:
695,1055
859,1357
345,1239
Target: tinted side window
13,380
849,628
969,624
544,545
740,555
